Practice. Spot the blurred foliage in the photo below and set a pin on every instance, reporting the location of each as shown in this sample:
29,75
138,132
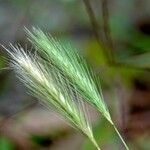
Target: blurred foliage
6,144
43,141
2,62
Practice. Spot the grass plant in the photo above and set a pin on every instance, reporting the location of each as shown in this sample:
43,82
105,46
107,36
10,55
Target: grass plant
60,79
74,68
47,84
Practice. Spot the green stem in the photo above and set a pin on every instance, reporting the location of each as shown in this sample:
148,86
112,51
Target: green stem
95,144
127,148
92,139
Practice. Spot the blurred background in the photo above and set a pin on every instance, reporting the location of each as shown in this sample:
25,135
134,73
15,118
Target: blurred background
114,38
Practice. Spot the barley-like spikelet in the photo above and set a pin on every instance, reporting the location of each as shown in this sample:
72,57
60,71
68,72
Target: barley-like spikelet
72,65
74,68
49,86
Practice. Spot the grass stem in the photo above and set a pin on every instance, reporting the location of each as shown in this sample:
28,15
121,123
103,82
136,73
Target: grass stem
124,143
95,144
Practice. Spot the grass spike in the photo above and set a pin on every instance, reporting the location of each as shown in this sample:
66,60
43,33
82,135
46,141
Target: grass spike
73,67
48,85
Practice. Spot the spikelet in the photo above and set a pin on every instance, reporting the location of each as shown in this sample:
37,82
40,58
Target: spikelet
73,66
50,87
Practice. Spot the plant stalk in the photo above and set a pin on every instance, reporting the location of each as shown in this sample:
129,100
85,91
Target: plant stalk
95,143
124,143
93,21
106,29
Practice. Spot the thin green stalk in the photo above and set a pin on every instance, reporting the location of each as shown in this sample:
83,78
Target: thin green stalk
92,139
95,144
124,143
